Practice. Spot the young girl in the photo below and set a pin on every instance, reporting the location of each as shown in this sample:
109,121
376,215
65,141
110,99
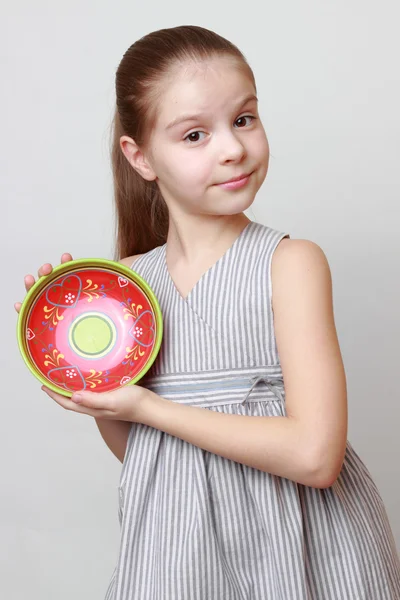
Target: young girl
238,481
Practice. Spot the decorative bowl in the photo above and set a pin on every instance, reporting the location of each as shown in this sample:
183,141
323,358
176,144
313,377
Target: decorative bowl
92,324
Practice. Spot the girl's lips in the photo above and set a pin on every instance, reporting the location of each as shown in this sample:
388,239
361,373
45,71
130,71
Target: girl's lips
233,185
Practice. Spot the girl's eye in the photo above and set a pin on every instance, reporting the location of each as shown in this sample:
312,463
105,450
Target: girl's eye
245,117
190,138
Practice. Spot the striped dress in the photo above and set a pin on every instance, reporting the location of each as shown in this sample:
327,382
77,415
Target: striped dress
197,526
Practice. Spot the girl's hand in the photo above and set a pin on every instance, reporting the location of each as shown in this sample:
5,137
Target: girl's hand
123,404
45,269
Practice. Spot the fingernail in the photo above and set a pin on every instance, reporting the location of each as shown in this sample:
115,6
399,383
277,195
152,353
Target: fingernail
77,398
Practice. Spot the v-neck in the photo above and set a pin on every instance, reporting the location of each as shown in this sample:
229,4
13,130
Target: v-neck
217,262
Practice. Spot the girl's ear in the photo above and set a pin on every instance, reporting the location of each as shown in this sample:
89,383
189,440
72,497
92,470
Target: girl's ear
136,158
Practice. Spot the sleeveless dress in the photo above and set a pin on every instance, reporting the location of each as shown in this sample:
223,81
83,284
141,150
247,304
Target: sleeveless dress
197,526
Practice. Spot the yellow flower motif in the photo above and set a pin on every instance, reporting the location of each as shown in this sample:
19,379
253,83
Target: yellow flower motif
89,379
132,311
90,291
134,352
50,313
53,360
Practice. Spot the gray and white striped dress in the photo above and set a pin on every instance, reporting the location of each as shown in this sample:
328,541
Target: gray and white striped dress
196,526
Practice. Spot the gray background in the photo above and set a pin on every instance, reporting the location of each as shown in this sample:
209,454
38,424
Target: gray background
328,83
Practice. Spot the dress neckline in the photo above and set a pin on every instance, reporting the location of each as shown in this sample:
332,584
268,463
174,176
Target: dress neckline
214,266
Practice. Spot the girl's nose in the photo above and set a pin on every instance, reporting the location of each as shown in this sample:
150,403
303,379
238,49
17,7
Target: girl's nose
232,149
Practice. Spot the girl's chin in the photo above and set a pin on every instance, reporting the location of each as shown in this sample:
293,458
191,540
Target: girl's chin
231,207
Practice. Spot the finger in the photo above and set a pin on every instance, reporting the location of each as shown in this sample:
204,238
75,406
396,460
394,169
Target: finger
29,280
94,400
45,269
68,404
17,306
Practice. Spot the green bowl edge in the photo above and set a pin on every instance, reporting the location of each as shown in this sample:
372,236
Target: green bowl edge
66,267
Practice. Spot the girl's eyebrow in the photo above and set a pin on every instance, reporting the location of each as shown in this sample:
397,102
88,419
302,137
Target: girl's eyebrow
188,117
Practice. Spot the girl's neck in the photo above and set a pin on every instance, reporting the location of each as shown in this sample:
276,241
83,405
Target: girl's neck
193,243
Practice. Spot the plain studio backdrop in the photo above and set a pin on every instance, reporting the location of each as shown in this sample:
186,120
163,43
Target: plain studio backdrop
329,93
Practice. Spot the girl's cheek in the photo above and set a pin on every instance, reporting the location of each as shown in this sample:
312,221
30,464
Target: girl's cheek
192,173
261,144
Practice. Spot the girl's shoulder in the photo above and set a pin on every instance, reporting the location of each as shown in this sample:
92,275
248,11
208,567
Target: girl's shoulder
129,260
300,267
290,249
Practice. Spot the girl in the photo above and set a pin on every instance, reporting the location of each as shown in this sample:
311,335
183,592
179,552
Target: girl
238,481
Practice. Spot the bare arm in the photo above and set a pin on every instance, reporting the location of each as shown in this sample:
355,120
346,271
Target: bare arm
312,365
115,434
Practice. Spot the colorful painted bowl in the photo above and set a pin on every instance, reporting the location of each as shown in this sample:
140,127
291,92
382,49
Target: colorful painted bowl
92,324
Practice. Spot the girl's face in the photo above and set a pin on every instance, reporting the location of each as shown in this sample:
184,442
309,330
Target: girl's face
220,138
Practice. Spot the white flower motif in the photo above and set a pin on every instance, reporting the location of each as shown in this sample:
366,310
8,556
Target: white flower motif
71,373
69,298
138,331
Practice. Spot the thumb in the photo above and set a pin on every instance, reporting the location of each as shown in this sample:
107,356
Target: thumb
91,399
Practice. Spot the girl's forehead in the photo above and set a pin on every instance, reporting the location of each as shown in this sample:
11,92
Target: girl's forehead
187,69
204,74
200,89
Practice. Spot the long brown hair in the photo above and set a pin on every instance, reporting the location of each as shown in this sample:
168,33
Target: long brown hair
142,214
